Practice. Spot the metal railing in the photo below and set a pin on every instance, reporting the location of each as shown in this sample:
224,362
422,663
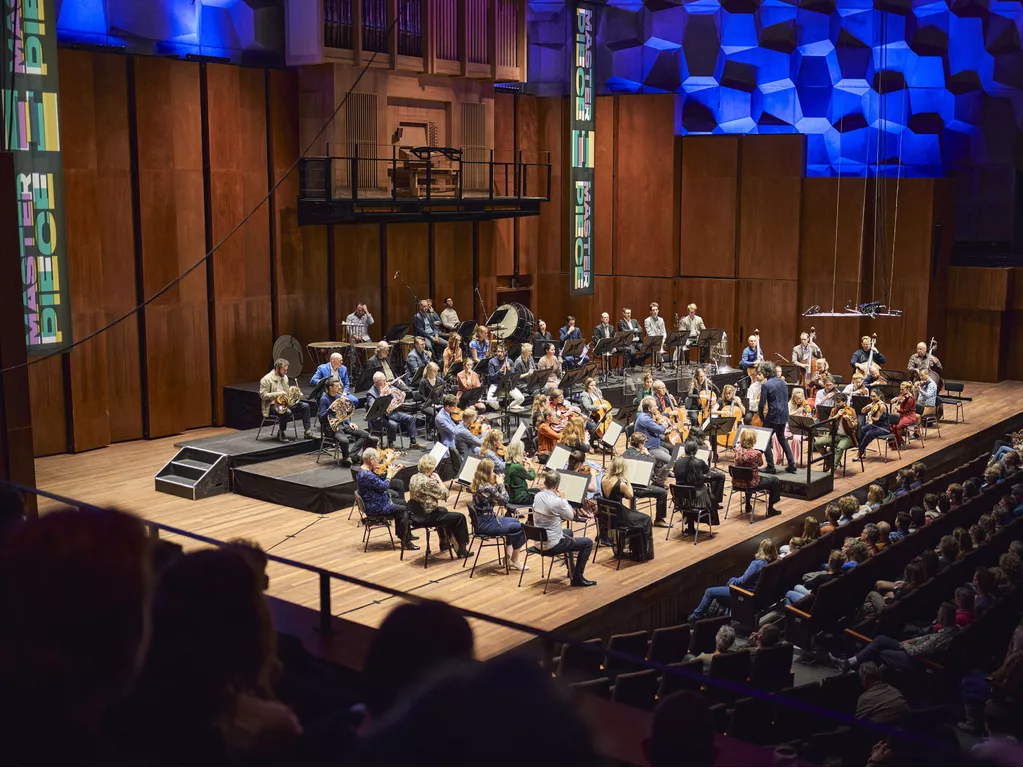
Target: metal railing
432,174
549,640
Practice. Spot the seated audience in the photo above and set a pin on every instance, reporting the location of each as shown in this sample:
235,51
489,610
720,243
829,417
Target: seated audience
766,553
723,642
811,581
682,732
879,702
902,656
964,606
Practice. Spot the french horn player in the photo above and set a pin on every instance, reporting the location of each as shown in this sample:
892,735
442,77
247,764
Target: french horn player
335,412
283,400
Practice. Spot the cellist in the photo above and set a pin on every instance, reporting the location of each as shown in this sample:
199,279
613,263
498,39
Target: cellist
845,436
596,408
729,405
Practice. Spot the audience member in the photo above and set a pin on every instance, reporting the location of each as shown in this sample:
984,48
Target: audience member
682,732
984,589
723,642
919,474
917,519
811,581
901,656
832,516
999,746
947,552
964,606
875,497
902,526
847,507
879,702
766,553
884,532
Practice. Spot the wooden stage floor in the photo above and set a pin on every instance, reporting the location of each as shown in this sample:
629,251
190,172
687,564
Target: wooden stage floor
122,475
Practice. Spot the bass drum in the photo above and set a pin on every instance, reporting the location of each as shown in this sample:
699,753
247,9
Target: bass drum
511,323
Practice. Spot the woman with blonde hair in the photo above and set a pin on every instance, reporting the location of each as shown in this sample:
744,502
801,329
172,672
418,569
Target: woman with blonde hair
518,473
453,352
615,486
493,449
486,494
573,436
766,553
798,406
426,494
479,347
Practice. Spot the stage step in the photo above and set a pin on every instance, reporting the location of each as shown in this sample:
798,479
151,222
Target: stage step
194,473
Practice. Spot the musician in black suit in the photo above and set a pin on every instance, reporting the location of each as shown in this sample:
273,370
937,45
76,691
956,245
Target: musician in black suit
425,326
862,355
605,330
628,323
347,431
380,362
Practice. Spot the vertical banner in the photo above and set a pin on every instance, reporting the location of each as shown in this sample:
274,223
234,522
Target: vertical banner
582,123
32,133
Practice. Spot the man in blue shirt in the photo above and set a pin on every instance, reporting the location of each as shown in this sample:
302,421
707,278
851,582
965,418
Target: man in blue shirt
749,355
424,326
646,425
446,429
774,399
334,369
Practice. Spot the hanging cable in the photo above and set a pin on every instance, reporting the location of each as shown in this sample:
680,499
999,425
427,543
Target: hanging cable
898,183
838,209
223,240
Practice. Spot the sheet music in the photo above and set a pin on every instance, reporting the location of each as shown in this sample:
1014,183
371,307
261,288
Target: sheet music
704,455
573,486
612,433
638,471
558,459
468,469
438,452
520,432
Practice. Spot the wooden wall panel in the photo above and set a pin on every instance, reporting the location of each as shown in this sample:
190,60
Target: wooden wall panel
769,305
530,145
715,300
302,289
637,293
645,186
46,395
829,277
975,338
407,252
552,250
357,272
453,268
504,151
769,206
603,185
980,288
241,266
709,198
171,200
487,256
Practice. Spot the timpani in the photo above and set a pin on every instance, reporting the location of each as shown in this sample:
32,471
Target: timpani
320,351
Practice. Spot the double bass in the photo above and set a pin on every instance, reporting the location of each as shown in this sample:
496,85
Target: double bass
935,376
808,361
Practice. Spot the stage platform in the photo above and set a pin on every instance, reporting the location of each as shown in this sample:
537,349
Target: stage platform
649,594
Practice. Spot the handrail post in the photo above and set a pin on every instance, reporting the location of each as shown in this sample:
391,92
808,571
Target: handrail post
326,615
429,175
355,172
394,172
154,532
490,176
461,172
520,173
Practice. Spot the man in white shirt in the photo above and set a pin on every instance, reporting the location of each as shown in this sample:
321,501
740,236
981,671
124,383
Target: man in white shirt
691,325
549,509
358,324
448,316
654,325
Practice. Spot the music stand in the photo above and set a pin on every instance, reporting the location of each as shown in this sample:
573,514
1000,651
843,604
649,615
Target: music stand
418,375
470,397
537,380
763,434
365,380
378,411
603,352
714,426
708,338
804,426
627,413
792,374
455,368
652,346
505,385
480,366
397,332
573,348
609,439
673,342
896,377
622,346
858,403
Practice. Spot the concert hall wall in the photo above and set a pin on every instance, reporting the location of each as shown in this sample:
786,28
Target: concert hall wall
732,224
163,158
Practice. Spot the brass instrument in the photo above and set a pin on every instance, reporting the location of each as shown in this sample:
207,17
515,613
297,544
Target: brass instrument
283,401
339,412
397,398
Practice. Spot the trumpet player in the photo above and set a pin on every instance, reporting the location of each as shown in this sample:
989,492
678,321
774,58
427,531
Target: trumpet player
271,387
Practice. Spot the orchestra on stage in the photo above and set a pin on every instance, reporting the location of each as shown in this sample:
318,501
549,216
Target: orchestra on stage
470,393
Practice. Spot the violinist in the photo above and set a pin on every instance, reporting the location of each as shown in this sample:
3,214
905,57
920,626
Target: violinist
467,439
493,449
798,406
926,393
564,410
573,435
657,489
550,362
447,428
468,379
539,414
518,472
384,496
845,436
548,433
498,366
826,395
820,371
877,425
856,386
905,406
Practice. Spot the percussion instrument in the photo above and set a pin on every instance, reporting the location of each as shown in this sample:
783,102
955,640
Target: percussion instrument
405,346
320,351
364,351
288,347
512,323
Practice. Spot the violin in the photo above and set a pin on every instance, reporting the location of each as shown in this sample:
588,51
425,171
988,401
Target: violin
455,414
387,458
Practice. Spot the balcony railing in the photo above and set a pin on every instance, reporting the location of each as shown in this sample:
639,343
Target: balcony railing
372,172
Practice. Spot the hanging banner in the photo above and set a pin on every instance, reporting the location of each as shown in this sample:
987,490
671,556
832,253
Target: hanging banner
32,133
582,124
